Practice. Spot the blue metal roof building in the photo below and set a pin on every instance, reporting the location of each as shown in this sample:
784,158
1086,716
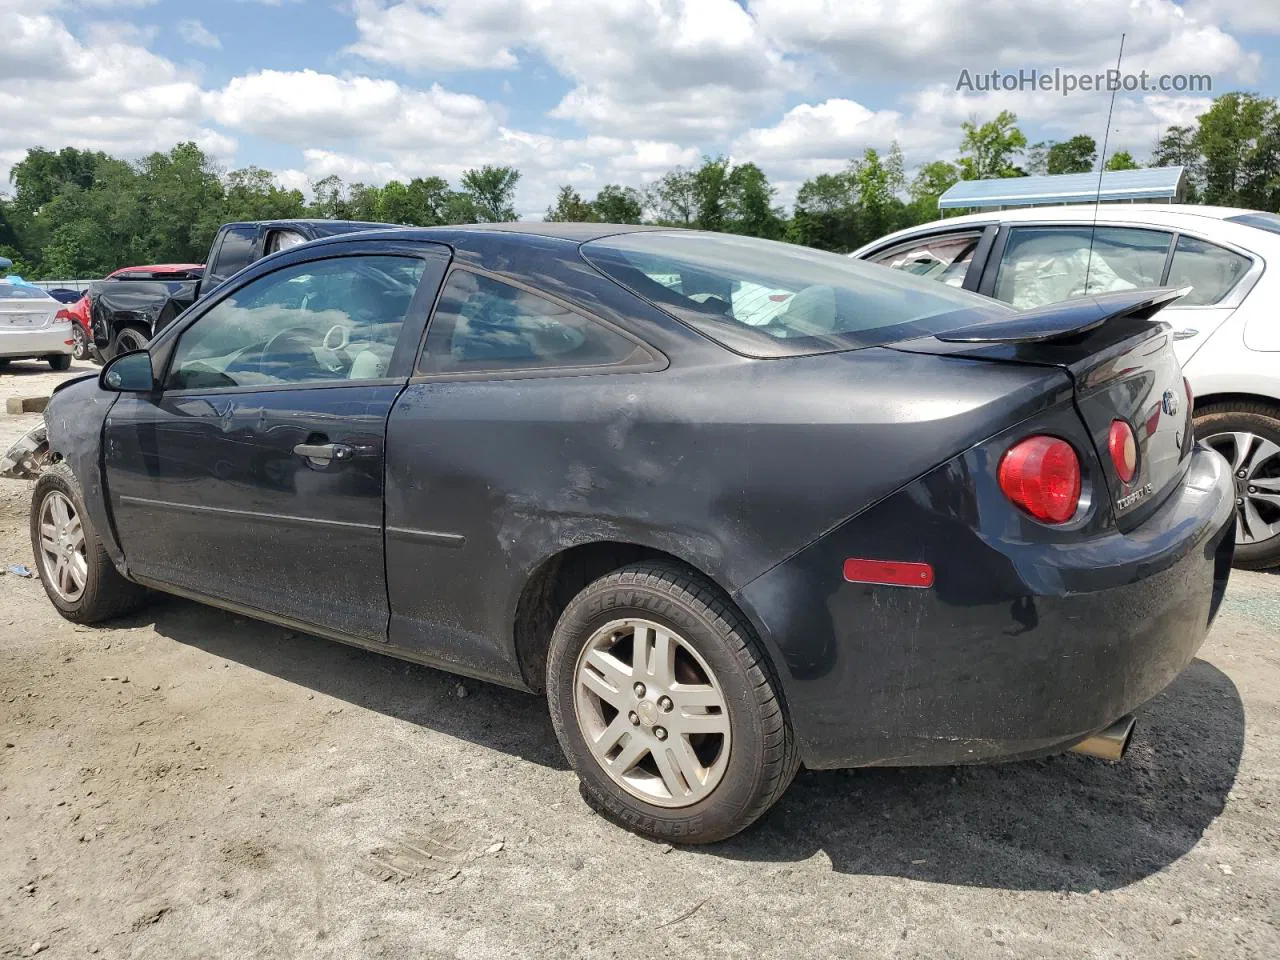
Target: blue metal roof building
1151,185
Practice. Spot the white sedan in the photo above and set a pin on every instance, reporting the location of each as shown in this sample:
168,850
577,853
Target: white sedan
30,328
1226,331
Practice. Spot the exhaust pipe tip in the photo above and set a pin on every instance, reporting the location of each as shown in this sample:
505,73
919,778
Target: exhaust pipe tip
1109,744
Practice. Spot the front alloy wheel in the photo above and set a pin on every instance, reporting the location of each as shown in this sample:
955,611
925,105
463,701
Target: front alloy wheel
652,713
62,547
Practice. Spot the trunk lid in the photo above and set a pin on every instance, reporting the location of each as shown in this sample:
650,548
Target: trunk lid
1123,366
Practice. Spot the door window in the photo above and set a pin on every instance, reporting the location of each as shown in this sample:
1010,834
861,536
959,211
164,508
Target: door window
278,240
336,319
483,325
1210,270
1043,265
233,254
943,258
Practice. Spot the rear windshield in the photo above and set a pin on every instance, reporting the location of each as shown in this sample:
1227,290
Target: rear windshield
768,299
1263,221
15,291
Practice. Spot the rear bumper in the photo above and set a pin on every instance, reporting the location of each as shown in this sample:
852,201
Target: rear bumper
1019,648
41,342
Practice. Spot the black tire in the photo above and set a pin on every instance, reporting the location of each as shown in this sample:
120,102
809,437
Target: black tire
61,361
130,337
4,363
762,759
106,594
1263,421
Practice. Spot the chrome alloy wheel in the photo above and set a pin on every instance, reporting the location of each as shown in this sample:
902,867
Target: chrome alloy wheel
652,713
62,547
81,349
1255,467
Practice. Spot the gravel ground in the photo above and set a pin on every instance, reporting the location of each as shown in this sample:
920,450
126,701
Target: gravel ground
186,783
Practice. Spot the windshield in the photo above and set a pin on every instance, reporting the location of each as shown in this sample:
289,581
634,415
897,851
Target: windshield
769,299
15,291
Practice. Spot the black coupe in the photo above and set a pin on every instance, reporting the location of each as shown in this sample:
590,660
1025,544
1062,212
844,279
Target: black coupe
733,505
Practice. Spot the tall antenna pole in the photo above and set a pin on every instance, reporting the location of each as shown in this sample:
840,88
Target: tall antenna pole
1102,165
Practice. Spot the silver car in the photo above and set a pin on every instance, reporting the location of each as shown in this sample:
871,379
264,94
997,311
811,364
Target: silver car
30,328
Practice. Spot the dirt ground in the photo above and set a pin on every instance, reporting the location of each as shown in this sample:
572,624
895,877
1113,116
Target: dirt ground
189,784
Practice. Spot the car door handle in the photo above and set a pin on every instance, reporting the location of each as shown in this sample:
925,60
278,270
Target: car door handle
324,451
1186,334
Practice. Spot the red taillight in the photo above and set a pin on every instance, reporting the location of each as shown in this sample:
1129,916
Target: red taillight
1042,476
1124,449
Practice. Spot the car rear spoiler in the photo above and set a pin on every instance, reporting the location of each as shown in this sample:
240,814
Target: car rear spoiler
1067,319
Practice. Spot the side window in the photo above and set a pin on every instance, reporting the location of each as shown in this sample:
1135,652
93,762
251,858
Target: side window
944,258
335,319
1043,265
484,325
233,254
278,240
1211,271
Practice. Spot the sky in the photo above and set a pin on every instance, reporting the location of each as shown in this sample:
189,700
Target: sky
588,92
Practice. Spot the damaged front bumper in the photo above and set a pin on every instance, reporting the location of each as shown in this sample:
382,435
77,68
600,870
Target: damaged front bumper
28,457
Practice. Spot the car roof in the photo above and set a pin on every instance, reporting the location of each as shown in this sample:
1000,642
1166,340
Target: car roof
1169,215
471,237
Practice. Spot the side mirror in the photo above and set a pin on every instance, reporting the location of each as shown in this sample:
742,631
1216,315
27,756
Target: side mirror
128,373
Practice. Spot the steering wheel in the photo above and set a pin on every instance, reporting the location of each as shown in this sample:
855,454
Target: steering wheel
302,340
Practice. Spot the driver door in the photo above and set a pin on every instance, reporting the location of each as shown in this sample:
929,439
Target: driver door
254,476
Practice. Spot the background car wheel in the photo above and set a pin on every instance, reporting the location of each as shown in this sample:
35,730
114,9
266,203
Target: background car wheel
666,706
77,574
129,338
61,361
4,363
1248,435
81,349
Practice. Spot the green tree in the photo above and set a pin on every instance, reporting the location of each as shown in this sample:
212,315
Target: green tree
931,181
569,207
616,204
1076,155
674,198
750,205
253,194
826,214
877,182
1177,147
429,200
491,191
988,150
175,191
1121,160
395,205
1233,137
329,199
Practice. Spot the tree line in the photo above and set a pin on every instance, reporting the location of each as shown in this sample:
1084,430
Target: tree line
79,213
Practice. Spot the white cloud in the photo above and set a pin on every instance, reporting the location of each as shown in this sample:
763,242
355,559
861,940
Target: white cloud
688,70
107,92
196,33
305,107
932,41
442,36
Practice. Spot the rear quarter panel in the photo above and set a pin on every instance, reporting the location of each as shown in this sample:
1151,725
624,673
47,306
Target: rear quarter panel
731,467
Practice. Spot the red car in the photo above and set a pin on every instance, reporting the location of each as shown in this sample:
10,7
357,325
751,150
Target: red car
78,312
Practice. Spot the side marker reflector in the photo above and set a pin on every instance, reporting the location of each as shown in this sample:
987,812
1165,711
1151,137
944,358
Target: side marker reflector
891,573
